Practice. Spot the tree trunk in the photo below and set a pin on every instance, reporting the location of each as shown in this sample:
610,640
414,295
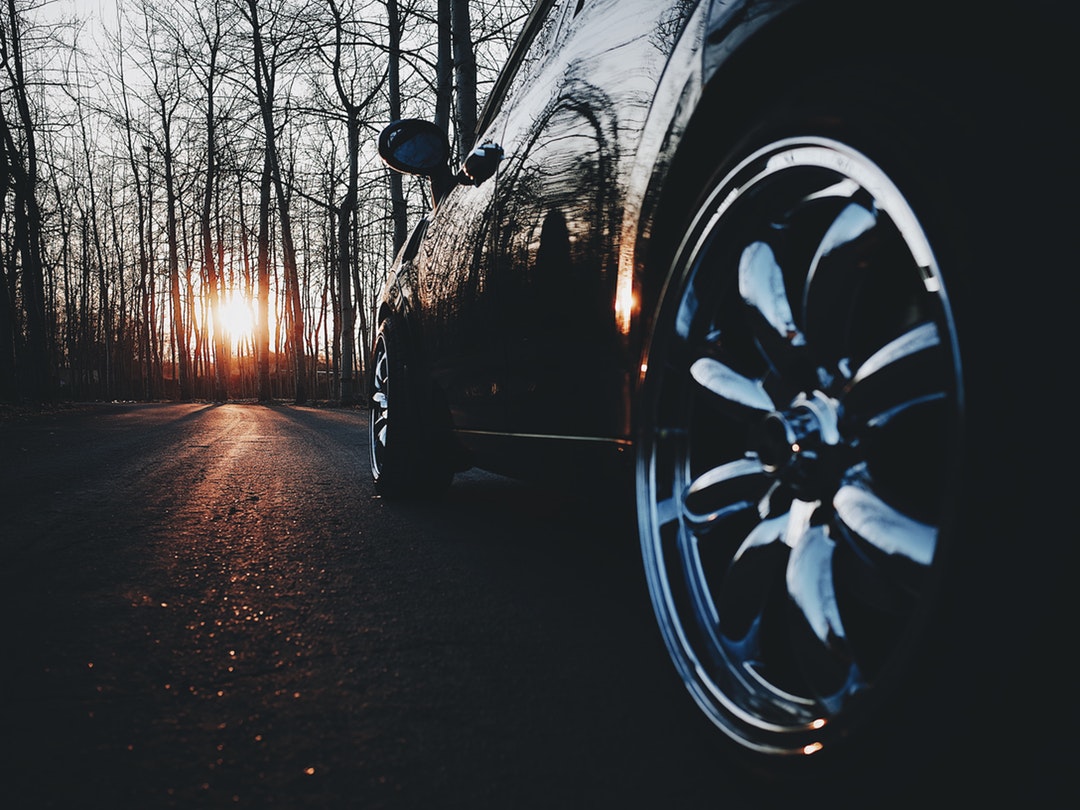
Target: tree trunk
262,327
345,214
264,87
398,210
179,320
465,71
444,67
222,350
9,318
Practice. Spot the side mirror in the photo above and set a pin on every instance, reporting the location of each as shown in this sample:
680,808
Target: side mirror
413,146
480,164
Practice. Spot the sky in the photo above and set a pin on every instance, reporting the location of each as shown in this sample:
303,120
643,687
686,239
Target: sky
96,14
97,9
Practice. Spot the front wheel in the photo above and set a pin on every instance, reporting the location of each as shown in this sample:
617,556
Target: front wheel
827,512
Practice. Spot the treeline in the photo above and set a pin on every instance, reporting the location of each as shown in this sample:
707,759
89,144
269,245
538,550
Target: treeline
191,206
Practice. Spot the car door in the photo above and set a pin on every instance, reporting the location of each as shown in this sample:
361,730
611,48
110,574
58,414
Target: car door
456,301
455,309
569,136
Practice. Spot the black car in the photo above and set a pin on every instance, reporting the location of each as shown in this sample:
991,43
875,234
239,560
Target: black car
793,275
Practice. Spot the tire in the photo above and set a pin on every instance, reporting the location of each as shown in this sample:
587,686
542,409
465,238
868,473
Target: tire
408,457
827,504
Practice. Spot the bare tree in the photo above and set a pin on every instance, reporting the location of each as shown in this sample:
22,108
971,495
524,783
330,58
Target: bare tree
164,81
211,34
346,211
134,145
20,176
265,70
138,241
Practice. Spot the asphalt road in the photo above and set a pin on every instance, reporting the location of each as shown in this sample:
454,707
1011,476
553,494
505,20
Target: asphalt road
207,606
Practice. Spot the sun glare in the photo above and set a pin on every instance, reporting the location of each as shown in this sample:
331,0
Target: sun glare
237,319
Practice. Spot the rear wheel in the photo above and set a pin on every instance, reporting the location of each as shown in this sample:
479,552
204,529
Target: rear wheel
408,457
815,483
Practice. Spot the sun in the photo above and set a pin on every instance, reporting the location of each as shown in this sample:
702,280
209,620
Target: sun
237,318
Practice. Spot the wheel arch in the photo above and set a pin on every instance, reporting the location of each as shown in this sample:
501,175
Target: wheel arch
750,58
397,303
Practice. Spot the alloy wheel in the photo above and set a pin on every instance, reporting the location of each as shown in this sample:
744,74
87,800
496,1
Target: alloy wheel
801,431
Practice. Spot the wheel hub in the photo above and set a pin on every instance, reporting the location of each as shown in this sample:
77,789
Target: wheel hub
801,446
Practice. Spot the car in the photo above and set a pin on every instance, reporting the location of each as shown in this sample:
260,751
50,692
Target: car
789,276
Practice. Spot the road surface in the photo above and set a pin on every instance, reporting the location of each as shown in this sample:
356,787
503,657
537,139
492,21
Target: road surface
207,606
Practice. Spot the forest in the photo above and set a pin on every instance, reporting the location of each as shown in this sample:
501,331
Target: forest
191,203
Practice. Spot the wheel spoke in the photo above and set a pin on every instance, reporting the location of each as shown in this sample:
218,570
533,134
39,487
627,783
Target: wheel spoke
819,640
920,339
755,573
725,490
878,589
883,527
810,583
738,395
761,286
380,368
833,279
906,372
380,428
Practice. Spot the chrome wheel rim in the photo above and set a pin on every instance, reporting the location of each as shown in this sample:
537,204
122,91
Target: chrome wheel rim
801,431
379,420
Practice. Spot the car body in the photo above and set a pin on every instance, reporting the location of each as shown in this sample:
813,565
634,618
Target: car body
748,262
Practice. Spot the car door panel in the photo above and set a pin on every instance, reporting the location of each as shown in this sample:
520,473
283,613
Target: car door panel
572,135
